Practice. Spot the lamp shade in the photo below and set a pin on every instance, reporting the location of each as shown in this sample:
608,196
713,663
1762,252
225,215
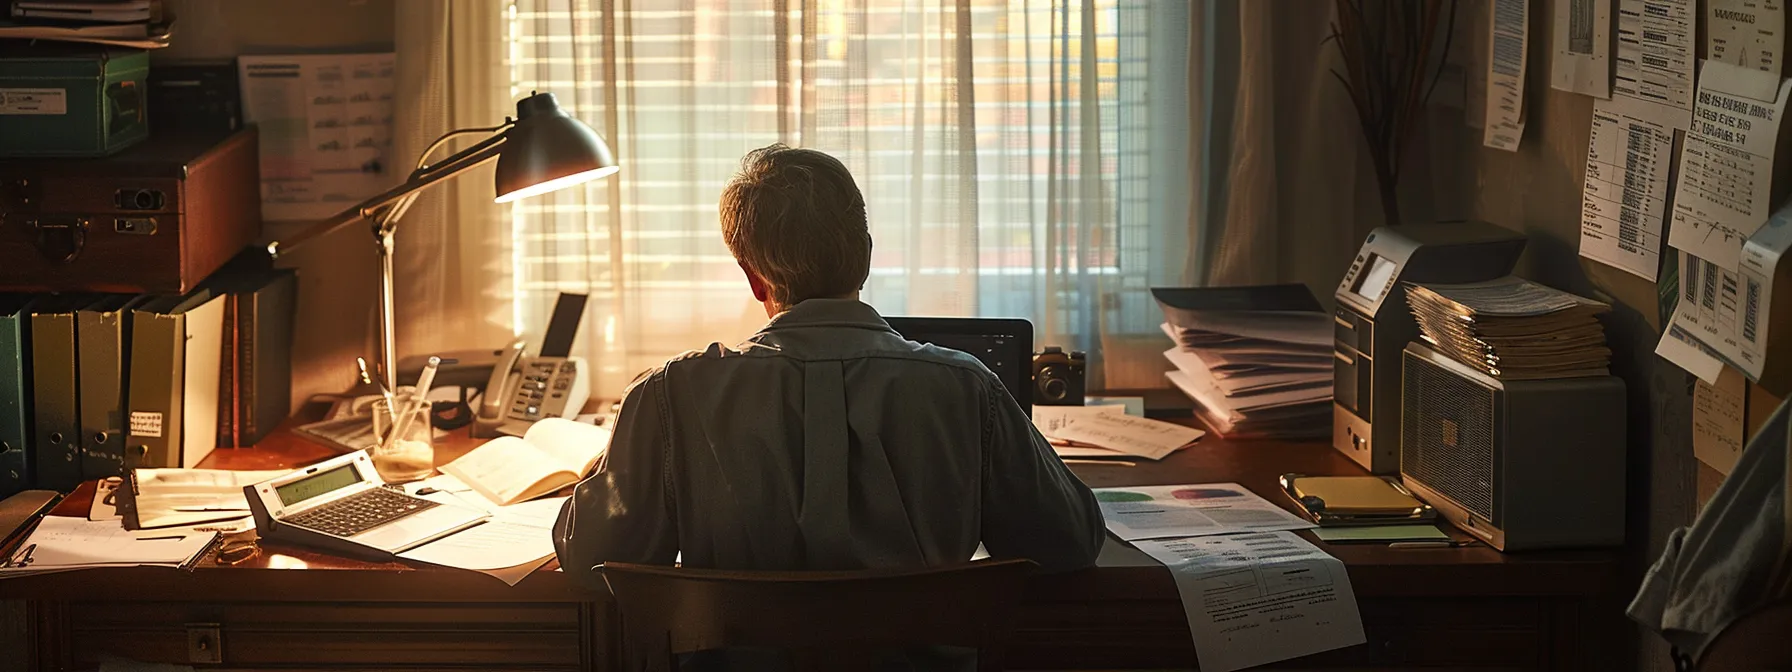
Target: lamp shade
548,150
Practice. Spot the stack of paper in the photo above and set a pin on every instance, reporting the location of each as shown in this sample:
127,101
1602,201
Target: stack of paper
1512,328
64,543
1257,361
1107,431
139,24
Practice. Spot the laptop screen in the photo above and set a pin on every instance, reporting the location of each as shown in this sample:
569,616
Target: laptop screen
1003,345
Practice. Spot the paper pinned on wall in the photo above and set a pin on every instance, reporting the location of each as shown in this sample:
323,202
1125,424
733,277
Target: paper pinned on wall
1729,311
1655,60
1747,33
1717,420
1624,199
1688,353
1254,599
1506,62
1583,48
326,130
1726,165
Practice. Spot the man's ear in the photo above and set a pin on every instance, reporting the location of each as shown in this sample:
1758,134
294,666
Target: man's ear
760,291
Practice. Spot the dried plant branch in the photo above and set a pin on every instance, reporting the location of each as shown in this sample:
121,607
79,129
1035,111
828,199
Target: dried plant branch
1386,47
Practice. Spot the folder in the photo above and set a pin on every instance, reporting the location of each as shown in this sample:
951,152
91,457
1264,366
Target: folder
56,430
15,398
255,391
176,347
102,337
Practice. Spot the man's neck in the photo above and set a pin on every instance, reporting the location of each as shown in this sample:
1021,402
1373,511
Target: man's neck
774,309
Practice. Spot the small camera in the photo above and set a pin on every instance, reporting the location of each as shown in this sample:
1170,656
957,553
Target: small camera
1058,377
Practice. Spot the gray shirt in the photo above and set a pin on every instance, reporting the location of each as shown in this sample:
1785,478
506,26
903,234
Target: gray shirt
826,441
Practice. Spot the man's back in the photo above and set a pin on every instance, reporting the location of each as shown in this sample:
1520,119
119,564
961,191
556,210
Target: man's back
827,442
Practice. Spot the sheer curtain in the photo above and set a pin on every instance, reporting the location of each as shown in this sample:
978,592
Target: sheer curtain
1018,158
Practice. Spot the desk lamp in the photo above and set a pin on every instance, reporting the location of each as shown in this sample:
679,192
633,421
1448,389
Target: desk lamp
544,149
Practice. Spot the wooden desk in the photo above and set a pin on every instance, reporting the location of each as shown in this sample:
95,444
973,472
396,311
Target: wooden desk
1470,608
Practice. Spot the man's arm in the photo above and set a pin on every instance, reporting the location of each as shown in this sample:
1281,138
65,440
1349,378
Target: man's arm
1033,507
622,512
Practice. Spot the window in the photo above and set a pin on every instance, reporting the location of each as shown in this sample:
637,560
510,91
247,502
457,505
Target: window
1017,158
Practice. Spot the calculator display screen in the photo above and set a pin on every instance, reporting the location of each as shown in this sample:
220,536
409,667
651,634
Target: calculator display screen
319,484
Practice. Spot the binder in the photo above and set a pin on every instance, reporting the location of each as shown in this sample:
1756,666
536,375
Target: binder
255,392
101,339
56,435
15,398
176,347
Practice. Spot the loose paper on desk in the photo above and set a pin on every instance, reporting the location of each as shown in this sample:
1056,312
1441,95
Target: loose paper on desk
1583,46
1506,51
1747,33
1142,437
1168,511
506,549
1624,200
1726,165
1047,419
1655,57
326,130
1717,412
1254,599
64,543
1732,312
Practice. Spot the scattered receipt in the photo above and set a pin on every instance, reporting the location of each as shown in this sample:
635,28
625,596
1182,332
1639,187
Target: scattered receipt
1583,46
1254,599
1166,511
1746,33
1624,200
1726,166
1505,74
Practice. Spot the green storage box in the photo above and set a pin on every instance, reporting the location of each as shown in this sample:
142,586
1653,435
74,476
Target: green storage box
70,100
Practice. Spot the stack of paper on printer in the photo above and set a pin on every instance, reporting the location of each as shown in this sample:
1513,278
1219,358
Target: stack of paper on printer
1107,431
1512,328
1257,361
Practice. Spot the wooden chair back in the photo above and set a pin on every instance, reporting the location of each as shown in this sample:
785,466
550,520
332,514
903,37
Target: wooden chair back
824,620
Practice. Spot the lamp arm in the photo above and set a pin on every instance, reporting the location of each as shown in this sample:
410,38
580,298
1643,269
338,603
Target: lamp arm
421,179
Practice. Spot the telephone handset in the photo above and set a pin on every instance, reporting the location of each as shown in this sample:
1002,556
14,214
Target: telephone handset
524,389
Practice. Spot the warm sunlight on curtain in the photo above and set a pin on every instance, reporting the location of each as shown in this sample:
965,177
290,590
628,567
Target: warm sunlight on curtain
1018,158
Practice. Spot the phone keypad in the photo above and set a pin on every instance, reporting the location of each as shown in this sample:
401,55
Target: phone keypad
543,391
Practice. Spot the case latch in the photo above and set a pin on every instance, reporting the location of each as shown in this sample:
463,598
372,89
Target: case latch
60,239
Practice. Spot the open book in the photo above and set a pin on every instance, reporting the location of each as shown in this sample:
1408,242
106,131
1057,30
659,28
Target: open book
553,454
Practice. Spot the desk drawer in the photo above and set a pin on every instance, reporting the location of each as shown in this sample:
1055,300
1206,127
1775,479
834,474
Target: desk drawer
346,636
1460,634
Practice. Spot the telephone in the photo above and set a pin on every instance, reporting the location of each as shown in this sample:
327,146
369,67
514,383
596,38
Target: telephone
523,389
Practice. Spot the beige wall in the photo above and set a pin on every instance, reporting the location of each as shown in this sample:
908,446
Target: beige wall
337,275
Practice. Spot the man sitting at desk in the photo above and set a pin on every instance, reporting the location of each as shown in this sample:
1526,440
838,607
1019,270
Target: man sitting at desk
826,441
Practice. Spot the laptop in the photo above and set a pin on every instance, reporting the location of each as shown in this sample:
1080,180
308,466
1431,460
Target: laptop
1004,345
343,505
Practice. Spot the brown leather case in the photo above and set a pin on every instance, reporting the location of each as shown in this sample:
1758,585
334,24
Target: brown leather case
157,218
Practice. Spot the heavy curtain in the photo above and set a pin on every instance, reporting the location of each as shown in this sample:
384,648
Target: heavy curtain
1018,158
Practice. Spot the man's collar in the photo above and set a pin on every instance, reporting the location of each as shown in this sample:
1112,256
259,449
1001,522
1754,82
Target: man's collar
829,313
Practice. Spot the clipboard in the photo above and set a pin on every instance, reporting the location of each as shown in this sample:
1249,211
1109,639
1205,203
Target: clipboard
1337,501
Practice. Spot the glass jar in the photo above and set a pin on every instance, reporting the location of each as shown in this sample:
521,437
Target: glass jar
410,455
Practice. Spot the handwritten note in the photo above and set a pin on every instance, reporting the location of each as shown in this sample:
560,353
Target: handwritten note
1583,47
1505,76
1717,420
1254,599
1624,200
1726,166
